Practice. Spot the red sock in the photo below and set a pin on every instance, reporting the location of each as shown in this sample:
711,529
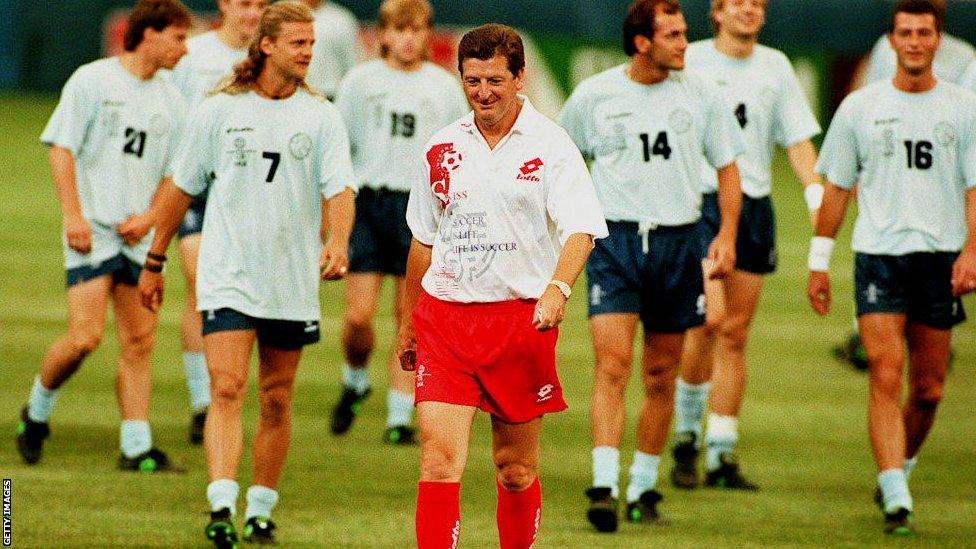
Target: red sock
438,518
518,516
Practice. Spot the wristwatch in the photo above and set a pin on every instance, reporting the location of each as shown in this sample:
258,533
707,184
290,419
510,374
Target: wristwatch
563,287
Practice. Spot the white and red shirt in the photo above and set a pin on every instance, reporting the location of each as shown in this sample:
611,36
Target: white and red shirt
497,218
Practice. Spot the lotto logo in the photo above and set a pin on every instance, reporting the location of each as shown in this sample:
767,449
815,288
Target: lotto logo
545,393
529,168
421,374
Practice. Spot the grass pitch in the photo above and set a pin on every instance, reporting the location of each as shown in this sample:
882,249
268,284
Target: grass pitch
803,428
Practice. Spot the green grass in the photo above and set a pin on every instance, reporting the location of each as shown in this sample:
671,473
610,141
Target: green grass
803,427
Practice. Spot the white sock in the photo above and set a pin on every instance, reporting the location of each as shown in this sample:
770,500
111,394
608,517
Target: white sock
134,437
40,402
689,406
260,501
720,437
197,380
399,408
908,466
894,488
355,378
606,469
222,493
643,475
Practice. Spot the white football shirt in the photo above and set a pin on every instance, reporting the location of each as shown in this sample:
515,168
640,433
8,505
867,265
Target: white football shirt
390,114
768,104
270,161
207,61
648,142
951,59
336,48
968,79
122,132
497,218
913,155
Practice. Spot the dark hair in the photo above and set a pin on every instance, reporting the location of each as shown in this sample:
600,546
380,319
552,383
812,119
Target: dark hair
154,14
489,40
920,7
640,20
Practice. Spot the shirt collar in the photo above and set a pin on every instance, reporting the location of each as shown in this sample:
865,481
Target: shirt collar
525,124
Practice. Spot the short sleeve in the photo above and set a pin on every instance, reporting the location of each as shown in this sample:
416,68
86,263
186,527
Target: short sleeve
424,210
194,160
76,111
795,121
335,166
880,62
838,160
573,119
571,200
723,135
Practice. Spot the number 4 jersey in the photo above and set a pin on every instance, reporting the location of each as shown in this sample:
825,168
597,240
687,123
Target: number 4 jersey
912,155
271,161
648,142
122,133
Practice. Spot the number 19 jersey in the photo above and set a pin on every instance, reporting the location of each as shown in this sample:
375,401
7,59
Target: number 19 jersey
913,155
648,142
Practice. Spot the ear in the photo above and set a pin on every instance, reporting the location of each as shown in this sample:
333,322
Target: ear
642,44
520,79
267,45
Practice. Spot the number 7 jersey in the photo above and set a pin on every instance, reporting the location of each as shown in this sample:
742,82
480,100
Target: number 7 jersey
912,155
648,142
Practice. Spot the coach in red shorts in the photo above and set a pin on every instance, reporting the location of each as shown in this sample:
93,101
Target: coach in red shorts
503,219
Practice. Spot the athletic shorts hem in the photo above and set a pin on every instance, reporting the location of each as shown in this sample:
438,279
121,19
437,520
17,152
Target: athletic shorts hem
122,269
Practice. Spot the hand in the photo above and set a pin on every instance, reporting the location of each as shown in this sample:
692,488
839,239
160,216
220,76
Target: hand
151,290
818,291
334,262
78,233
721,257
406,349
134,228
964,272
549,310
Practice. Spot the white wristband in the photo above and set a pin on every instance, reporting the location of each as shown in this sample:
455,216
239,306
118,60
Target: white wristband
821,248
564,288
813,194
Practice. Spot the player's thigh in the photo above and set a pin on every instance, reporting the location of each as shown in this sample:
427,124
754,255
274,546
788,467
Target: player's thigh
928,350
742,297
134,323
277,368
715,303
189,253
362,292
883,337
516,443
445,431
661,353
88,306
612,335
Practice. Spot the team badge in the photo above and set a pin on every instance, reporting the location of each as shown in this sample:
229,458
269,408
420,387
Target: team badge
300,145
680,120
443,160
158,125
240,152
887,142
528,169
945,133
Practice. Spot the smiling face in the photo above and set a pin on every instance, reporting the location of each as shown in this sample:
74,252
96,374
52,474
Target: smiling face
291,52
491,88
740,18
915,38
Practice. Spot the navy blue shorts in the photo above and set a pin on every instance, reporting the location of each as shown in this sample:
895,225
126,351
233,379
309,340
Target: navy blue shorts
123,271
916,284
193,220
664,285
380,239
279,334
755,246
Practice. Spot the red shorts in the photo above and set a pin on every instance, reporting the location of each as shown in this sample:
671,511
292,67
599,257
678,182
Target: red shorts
486,355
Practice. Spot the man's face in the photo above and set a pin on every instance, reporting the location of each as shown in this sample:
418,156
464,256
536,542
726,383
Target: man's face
243,15
292,51
406,43
490,88
915,40
667,48
741,18
167,46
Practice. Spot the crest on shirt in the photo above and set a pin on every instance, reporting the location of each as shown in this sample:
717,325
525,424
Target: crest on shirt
300,145
680,120
240,152
158,125
528,169
888,142
945,133
442,159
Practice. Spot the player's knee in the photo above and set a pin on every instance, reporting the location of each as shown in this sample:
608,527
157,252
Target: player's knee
926,397
713,322
733,333
226,391
659,377
84,342
886,379
138,345
439,462
612,373
515,476
275,404
357,337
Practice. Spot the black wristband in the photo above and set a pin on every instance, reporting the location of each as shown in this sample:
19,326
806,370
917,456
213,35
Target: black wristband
157,257
153,267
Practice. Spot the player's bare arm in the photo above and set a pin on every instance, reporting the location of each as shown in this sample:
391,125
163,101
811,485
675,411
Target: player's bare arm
334,262
964,269
170,205
831,216
721,252
551,307
136,227
76,228
803,159
418,261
